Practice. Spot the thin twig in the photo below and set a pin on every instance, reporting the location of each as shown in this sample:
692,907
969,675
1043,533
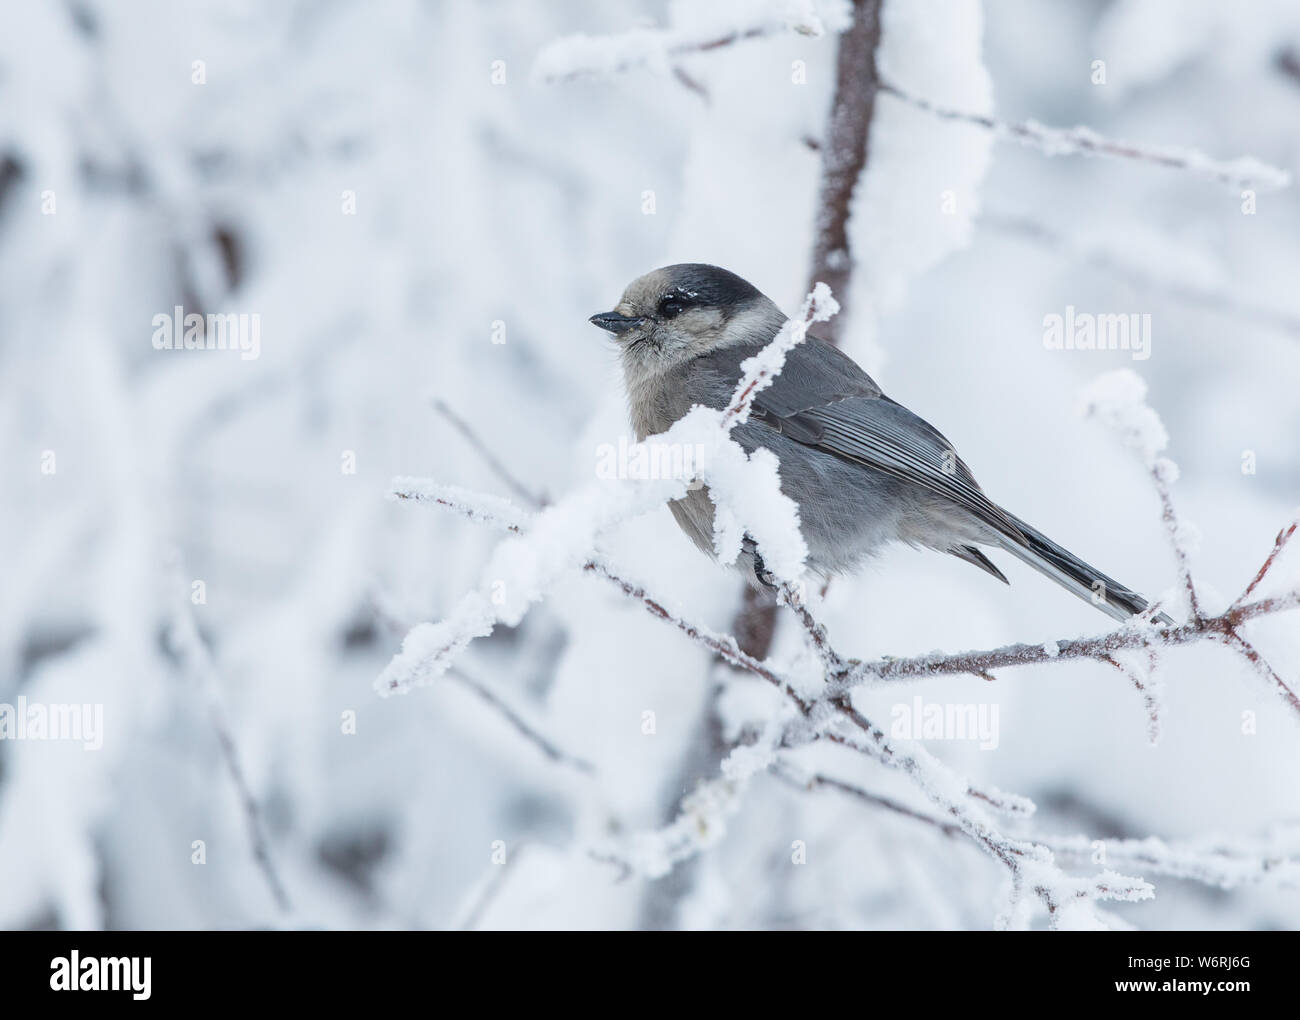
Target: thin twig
577,57
1243,172
1145,689
489,458
1027,654
1161,470
490,890
188,646
522,726
1209,860
1279,544
833,665
1262,667
814,781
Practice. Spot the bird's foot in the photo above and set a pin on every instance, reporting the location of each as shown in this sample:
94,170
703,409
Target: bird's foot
765,577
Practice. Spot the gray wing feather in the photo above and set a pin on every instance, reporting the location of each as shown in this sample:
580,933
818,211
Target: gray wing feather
824,400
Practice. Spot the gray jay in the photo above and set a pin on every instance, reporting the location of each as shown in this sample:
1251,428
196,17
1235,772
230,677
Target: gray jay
863,469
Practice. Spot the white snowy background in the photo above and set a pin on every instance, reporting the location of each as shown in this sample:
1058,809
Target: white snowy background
489,197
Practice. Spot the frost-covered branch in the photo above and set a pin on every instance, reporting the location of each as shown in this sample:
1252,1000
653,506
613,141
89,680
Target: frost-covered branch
760,371
831,715
521,725
506,517
581,56
1146,684
1121,639
1117,400
584,56
1216,861
704,813
1279,543
475,506
1241,172
844,152
187,645
1069,901
542,547
489,458
560,538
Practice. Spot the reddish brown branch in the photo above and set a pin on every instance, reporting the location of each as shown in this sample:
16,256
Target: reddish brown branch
1279,544
844,157
1253,656
1160,476
844,154
1145,689
1098,647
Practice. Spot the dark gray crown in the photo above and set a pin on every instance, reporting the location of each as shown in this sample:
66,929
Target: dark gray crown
711,285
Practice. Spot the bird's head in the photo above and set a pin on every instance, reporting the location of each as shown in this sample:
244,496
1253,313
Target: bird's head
680,312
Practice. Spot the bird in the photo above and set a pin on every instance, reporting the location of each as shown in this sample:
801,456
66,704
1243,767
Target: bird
864,470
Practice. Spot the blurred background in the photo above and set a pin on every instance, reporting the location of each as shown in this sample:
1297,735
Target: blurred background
422,219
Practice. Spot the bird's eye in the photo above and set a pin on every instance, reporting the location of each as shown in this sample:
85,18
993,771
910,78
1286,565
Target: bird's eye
671,306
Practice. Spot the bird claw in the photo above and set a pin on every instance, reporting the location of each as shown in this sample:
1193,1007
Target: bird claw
765,577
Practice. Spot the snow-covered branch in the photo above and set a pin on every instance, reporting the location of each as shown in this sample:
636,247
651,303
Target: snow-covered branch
1242,172
759,372
1098,647
561,537
1217,861
829,714
658,49
844,152
1118,400
581,56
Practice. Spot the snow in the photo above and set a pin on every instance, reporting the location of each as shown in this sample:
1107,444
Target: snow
340,526
1146,41
917,202
1118,400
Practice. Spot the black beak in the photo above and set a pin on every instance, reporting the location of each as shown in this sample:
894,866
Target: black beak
615,323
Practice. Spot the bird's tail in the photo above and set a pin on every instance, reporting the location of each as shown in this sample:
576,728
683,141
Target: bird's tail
1073,574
